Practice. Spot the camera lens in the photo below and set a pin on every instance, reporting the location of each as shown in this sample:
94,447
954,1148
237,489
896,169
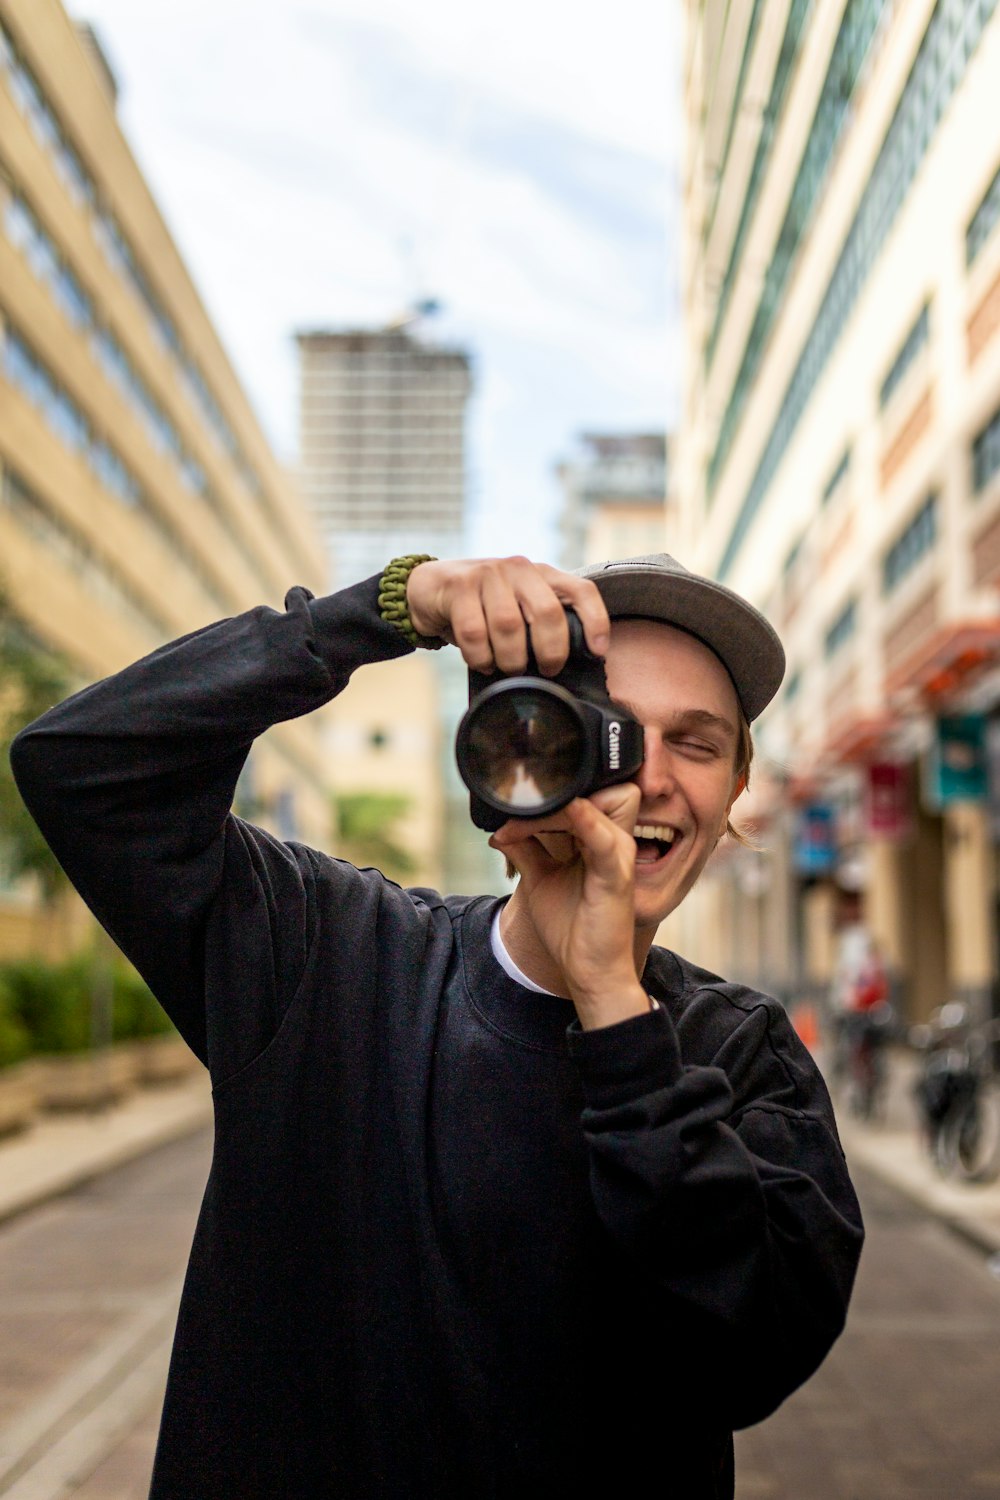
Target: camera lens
523,750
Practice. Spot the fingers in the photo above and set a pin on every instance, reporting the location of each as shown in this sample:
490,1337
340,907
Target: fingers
493,608
528,859
583,595
597,829
542,611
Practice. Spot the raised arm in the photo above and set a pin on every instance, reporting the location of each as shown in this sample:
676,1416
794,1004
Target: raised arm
132,781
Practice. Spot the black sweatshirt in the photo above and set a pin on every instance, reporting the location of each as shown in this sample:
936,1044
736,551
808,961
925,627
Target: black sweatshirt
451,1244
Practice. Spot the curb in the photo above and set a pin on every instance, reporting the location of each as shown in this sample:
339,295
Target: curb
58,1154
972,1213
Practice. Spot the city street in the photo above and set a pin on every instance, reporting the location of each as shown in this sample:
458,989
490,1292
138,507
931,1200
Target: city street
905,1406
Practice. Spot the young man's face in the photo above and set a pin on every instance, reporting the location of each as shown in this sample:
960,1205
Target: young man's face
684,698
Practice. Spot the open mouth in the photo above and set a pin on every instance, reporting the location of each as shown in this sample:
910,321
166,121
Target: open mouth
653,842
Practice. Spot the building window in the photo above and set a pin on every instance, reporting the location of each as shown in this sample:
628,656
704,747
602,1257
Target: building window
986,453
28,236
791,560
842,628
735,110
25,371
915,340
914,542
32,103
983,221
837,478
101,579
31,377
857,30
950,41
787,57
118,252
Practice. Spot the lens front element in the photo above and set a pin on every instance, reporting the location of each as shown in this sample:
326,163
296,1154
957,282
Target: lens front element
523,750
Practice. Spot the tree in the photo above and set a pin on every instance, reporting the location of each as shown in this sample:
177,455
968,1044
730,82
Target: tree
366,832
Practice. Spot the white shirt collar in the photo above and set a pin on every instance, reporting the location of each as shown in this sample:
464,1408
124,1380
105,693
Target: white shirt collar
505,961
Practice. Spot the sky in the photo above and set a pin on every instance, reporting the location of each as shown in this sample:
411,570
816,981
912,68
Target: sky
325,163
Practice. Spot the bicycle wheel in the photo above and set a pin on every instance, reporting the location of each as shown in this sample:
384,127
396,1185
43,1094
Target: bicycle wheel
970,1137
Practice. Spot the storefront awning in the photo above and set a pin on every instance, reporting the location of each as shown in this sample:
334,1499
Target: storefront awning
948,660
859,738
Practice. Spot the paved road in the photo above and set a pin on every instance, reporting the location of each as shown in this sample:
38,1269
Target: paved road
904,1407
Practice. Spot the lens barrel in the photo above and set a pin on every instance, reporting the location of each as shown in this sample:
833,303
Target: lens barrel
523,747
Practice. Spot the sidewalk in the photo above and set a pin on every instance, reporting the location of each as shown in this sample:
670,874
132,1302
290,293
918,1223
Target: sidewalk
892,1149
59,1152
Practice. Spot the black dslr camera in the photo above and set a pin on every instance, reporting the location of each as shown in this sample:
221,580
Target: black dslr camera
529,744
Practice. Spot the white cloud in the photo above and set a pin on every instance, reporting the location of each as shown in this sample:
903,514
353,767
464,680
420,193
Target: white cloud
522,154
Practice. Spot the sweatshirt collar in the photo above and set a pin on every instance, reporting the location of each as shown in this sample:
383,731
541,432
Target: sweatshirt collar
522,1016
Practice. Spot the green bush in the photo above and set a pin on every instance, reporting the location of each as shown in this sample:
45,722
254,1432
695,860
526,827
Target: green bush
136,1013
15,1038
52,1001
50,1005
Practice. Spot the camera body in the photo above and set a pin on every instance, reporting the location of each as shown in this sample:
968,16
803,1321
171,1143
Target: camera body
528,744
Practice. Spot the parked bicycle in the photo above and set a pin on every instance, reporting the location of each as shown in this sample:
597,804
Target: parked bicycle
860,1065
958,1093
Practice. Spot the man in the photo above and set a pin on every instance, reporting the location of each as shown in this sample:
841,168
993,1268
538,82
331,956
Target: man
460,1238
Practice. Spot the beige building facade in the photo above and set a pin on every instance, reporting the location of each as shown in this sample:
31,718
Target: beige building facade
614,489
138,496
839,463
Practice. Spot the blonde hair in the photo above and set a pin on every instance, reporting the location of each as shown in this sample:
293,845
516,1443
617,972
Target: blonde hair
744,759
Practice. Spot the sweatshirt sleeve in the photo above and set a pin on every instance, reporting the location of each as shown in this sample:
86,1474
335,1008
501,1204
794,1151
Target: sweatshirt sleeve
132,781
725,1184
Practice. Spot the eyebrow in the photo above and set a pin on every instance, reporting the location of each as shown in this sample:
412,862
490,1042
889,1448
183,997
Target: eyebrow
691,718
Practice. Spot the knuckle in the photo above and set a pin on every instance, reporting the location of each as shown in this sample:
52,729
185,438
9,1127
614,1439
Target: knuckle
550,612
506,621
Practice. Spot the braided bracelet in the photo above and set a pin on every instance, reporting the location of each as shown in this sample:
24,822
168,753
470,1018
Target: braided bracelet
392,600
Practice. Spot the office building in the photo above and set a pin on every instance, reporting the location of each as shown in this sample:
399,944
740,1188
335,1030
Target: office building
839,463
383,466
382,444
139,498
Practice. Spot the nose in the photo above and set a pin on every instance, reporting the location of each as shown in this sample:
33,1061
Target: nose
656,778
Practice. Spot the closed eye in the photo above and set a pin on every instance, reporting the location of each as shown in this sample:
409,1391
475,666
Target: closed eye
697,747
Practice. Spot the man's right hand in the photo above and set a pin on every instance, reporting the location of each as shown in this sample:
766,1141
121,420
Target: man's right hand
490,607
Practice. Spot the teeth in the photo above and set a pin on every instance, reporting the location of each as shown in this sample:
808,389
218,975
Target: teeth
655,831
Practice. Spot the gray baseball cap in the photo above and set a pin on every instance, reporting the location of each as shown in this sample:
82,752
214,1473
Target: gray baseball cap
658,587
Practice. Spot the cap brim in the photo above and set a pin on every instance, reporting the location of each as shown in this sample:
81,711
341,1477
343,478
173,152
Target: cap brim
746,644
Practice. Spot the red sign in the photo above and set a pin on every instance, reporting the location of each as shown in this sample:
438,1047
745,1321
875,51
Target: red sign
888,814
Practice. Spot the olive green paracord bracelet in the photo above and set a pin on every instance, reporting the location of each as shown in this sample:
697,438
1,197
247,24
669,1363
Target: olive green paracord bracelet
392,600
